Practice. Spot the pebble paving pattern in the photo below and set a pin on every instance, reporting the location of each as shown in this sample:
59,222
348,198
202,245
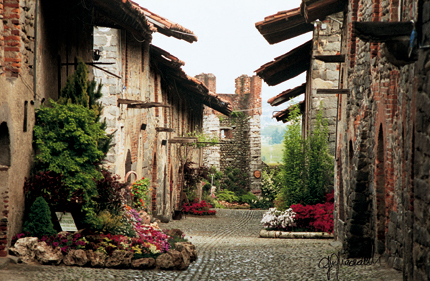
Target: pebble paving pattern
229,248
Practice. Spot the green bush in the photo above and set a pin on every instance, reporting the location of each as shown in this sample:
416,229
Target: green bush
105,222
249,198
270,186
235,181
227,195
66,137
208,198
39,222
307,167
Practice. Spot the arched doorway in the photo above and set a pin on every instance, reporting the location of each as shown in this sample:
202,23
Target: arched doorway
128,163
5,155
380,211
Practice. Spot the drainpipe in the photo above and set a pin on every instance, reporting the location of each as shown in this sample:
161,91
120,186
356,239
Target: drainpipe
36,16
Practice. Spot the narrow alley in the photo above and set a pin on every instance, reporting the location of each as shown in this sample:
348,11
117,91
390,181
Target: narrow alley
229,248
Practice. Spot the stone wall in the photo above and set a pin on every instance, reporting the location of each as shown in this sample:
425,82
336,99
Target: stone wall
324,75
240,139
381,180
137,149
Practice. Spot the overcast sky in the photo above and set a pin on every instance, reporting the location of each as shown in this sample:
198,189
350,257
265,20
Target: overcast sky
228,43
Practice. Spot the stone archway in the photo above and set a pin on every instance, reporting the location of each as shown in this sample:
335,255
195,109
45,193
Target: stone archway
380,212
359,239
128,163
5,163
5,154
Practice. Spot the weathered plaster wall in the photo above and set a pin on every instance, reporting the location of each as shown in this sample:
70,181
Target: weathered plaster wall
60,35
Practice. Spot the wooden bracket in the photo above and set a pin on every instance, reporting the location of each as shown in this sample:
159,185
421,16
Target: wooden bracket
333,91
333,59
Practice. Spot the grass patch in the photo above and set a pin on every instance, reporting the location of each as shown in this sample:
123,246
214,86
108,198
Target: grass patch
272,153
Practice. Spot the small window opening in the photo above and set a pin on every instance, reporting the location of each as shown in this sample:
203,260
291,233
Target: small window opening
25,116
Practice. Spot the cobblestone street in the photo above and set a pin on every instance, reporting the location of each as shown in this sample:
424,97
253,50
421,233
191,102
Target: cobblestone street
229,249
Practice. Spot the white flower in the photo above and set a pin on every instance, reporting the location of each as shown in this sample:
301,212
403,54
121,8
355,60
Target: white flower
278,219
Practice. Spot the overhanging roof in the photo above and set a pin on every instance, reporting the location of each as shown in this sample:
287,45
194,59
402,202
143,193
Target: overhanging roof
173,74
128,15
284,115
283,25
287,66
320,9
165,26
287,95
121,15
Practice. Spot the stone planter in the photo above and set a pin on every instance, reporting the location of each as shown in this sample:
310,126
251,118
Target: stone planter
294,235
29,250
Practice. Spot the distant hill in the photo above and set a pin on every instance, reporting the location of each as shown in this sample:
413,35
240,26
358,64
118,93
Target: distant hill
274,133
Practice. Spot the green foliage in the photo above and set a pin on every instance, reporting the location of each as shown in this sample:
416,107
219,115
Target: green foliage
250,199
191,194
270,186
76,89
81,91
39,221
227,195
237,114
105,222
235,181
66,137
214,176
208,198
203,139
307,164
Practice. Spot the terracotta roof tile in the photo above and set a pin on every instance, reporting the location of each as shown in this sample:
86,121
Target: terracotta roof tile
287,66
165,26
320,9
172,71
287,95
285,114
283,25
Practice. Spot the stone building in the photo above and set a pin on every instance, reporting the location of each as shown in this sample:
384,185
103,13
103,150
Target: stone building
312,57
382,142
240,139
149,101
382,187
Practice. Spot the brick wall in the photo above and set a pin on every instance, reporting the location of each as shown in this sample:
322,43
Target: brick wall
383,147
12,37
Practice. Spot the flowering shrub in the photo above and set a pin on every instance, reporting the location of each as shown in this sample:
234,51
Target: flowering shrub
275,219
140,191
146,232
140,246
197,208
318,217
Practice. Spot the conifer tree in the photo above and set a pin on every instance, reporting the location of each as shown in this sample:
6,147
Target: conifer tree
39,221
